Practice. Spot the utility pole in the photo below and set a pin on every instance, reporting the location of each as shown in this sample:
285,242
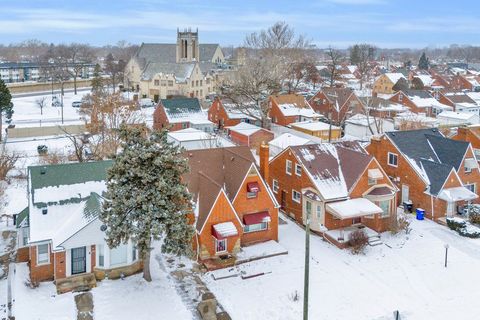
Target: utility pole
446,254
307,268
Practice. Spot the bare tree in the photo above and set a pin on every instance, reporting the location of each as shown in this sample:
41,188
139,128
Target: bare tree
7,162
41,103
334,61
363,63
73,58
115,69
79,143
272,53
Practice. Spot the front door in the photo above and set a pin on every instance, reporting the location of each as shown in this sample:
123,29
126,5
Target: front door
79,260
405,193
283,200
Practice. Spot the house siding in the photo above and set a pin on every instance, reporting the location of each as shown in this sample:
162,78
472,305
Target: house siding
42,272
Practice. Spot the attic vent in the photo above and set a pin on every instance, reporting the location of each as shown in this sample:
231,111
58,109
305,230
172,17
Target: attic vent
232,158
44,211
43,170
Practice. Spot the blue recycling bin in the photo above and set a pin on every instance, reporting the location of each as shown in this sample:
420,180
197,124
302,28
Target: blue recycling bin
420,214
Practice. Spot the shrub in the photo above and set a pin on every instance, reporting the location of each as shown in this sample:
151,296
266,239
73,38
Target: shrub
474,218
53,157
357,240
404,223
294,296
469,231
455,223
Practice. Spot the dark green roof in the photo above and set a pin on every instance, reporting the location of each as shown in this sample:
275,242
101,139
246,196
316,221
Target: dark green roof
21,217
181,105
68,173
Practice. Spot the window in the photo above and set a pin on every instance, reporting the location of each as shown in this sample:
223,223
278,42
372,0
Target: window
392,159
42,254
118,255
220,245
251,194
196,83
372,182
184,125
400,97
385,206
470,187
255,227
163,83
170,83
101,255
275,186
296,196
134,252
298,170
288,168
201,83
156,82
319,211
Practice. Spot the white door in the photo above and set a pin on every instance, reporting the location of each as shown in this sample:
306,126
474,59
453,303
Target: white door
405,191
450,208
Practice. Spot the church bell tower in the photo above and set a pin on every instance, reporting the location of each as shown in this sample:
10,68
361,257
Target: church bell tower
187,46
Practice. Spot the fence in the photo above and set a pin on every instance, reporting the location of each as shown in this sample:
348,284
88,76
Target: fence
45,131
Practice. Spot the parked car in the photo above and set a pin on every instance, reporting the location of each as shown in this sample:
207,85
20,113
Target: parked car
76,104
56,102
146,103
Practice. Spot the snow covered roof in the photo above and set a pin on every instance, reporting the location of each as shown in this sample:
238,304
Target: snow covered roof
64,198
360,120
394,77
287,139
233,112
353,208
457,194
184,110
427,80
456,115
313,125
189,134
244,128
332,168
294,105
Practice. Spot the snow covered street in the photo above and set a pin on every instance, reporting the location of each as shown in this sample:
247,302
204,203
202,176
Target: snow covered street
405,274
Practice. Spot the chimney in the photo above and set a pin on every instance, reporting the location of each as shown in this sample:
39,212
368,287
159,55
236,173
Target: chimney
264,159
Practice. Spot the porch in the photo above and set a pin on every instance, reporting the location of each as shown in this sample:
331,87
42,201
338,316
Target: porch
339,237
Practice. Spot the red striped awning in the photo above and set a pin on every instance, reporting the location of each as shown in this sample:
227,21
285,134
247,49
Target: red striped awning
224,230
256,218
253,187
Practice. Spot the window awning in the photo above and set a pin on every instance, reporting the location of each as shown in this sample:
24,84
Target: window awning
253,187
456,194
375,174
353,208
224,230
256,218
380,192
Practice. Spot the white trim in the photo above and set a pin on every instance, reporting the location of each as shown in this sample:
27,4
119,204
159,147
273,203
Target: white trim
213,205
388,159
275,183
286,167
293,198
298,166
226,245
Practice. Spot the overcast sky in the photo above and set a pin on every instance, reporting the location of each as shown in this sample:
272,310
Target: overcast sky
386,23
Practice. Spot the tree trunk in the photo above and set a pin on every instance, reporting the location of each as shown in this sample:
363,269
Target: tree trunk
75,84
146,264
1,120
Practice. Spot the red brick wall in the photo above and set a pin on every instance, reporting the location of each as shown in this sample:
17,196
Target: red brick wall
60,265
277,116
23,254
262,202
460,83
221,212
446,101
218,115
470,177
288,182
42,272
238,138
408,103
465,134
260,136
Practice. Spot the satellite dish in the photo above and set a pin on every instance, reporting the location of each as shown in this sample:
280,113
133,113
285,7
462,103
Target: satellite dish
103,228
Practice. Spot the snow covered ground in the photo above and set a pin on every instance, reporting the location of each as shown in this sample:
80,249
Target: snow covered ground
27,112
407,275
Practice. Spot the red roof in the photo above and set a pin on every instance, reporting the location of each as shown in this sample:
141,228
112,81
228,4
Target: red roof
256,218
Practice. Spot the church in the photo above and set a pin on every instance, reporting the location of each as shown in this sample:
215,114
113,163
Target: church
186,68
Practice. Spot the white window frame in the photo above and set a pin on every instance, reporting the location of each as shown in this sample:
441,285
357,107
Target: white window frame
101,253
288,164
471,184
383,214
275,186
299,196
298,169
388,159
216,245
263,227
319,211
38,254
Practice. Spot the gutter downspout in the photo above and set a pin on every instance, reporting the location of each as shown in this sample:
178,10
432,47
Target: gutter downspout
433,212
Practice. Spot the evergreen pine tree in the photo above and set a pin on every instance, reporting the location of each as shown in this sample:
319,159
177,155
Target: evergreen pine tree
423,62
354,54
98,83
146,196
6,105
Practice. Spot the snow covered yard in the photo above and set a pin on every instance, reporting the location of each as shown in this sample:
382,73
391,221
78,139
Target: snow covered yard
405,274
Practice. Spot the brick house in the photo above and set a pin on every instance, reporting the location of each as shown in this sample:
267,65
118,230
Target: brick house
289,108
338,185
226,115
340,102
181,113
470,134
65,240
465,82
233,206
433,172
245,134
459,101
420,101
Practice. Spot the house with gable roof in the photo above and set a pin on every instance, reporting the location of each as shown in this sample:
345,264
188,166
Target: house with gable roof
434,173
384,83
65,238
420,101
181,113
338,185
233,205
289,108
338,103
227,114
